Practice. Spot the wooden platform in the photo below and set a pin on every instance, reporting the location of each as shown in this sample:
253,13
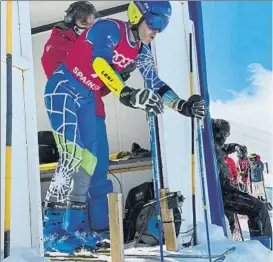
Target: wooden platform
116,167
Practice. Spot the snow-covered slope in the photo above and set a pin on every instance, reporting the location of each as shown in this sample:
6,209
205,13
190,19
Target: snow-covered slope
255,138
249,113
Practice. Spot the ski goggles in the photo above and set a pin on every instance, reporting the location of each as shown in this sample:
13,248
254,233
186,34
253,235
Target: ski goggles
156,22
222,134
226,134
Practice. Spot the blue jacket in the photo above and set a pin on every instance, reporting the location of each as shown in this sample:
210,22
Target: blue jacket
257,169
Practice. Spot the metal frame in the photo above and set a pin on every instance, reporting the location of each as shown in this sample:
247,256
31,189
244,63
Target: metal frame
102,13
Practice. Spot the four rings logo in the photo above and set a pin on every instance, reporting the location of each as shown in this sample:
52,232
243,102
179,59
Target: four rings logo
121,60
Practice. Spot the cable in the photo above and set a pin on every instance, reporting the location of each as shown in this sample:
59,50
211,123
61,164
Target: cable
120,185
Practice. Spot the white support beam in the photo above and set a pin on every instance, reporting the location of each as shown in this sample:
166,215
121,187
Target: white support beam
26,216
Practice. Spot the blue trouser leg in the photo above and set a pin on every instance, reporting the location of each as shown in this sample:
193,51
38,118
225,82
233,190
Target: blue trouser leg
63,105
71,114
100,186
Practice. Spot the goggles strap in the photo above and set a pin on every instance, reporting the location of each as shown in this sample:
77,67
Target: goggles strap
135,29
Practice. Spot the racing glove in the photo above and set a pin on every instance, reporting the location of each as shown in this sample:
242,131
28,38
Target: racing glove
145,99
194,107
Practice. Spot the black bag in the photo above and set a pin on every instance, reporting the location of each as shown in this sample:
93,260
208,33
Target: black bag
48,151
46,138
47,154
135,213
136,198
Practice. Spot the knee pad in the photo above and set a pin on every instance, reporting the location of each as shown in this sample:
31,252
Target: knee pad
80,186
88,162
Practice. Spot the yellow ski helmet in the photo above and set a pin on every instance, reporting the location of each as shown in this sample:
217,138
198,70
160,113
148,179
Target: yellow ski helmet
155,13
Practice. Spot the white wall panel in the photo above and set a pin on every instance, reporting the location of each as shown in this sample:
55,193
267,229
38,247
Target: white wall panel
173,66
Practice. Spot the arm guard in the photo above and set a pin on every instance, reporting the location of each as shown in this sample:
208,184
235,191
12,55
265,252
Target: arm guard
108,75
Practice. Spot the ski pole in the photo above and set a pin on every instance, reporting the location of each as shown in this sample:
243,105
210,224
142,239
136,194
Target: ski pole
250,178
192,151
201,161
8,130
155,156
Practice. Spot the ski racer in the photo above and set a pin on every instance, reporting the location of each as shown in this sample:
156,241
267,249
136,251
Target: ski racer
257,176
96,60
234,200
79,16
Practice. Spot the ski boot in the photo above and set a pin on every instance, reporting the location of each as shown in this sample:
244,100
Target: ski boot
76,225
52,225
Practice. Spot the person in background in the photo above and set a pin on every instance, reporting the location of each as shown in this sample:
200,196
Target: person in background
234,200
257,176
79,16
233,171
244,169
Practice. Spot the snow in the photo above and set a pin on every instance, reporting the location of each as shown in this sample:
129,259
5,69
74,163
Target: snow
245,251
25,255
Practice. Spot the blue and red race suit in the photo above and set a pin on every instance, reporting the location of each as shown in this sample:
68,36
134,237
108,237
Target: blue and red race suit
75,108
56,49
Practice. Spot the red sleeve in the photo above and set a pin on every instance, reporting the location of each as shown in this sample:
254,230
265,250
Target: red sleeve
56,48
234,169
105,91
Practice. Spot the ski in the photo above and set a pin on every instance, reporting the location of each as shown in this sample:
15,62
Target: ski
72,258
237,234
88,256
217,258
225,254
95,256
76,259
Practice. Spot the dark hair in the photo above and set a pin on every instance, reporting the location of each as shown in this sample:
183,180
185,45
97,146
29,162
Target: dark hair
79,11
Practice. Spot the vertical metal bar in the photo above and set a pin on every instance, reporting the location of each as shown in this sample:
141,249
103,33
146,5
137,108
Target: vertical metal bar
8,129
155,157
202,171
192,151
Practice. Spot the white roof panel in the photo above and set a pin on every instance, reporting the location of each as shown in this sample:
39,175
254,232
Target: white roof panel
46,12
